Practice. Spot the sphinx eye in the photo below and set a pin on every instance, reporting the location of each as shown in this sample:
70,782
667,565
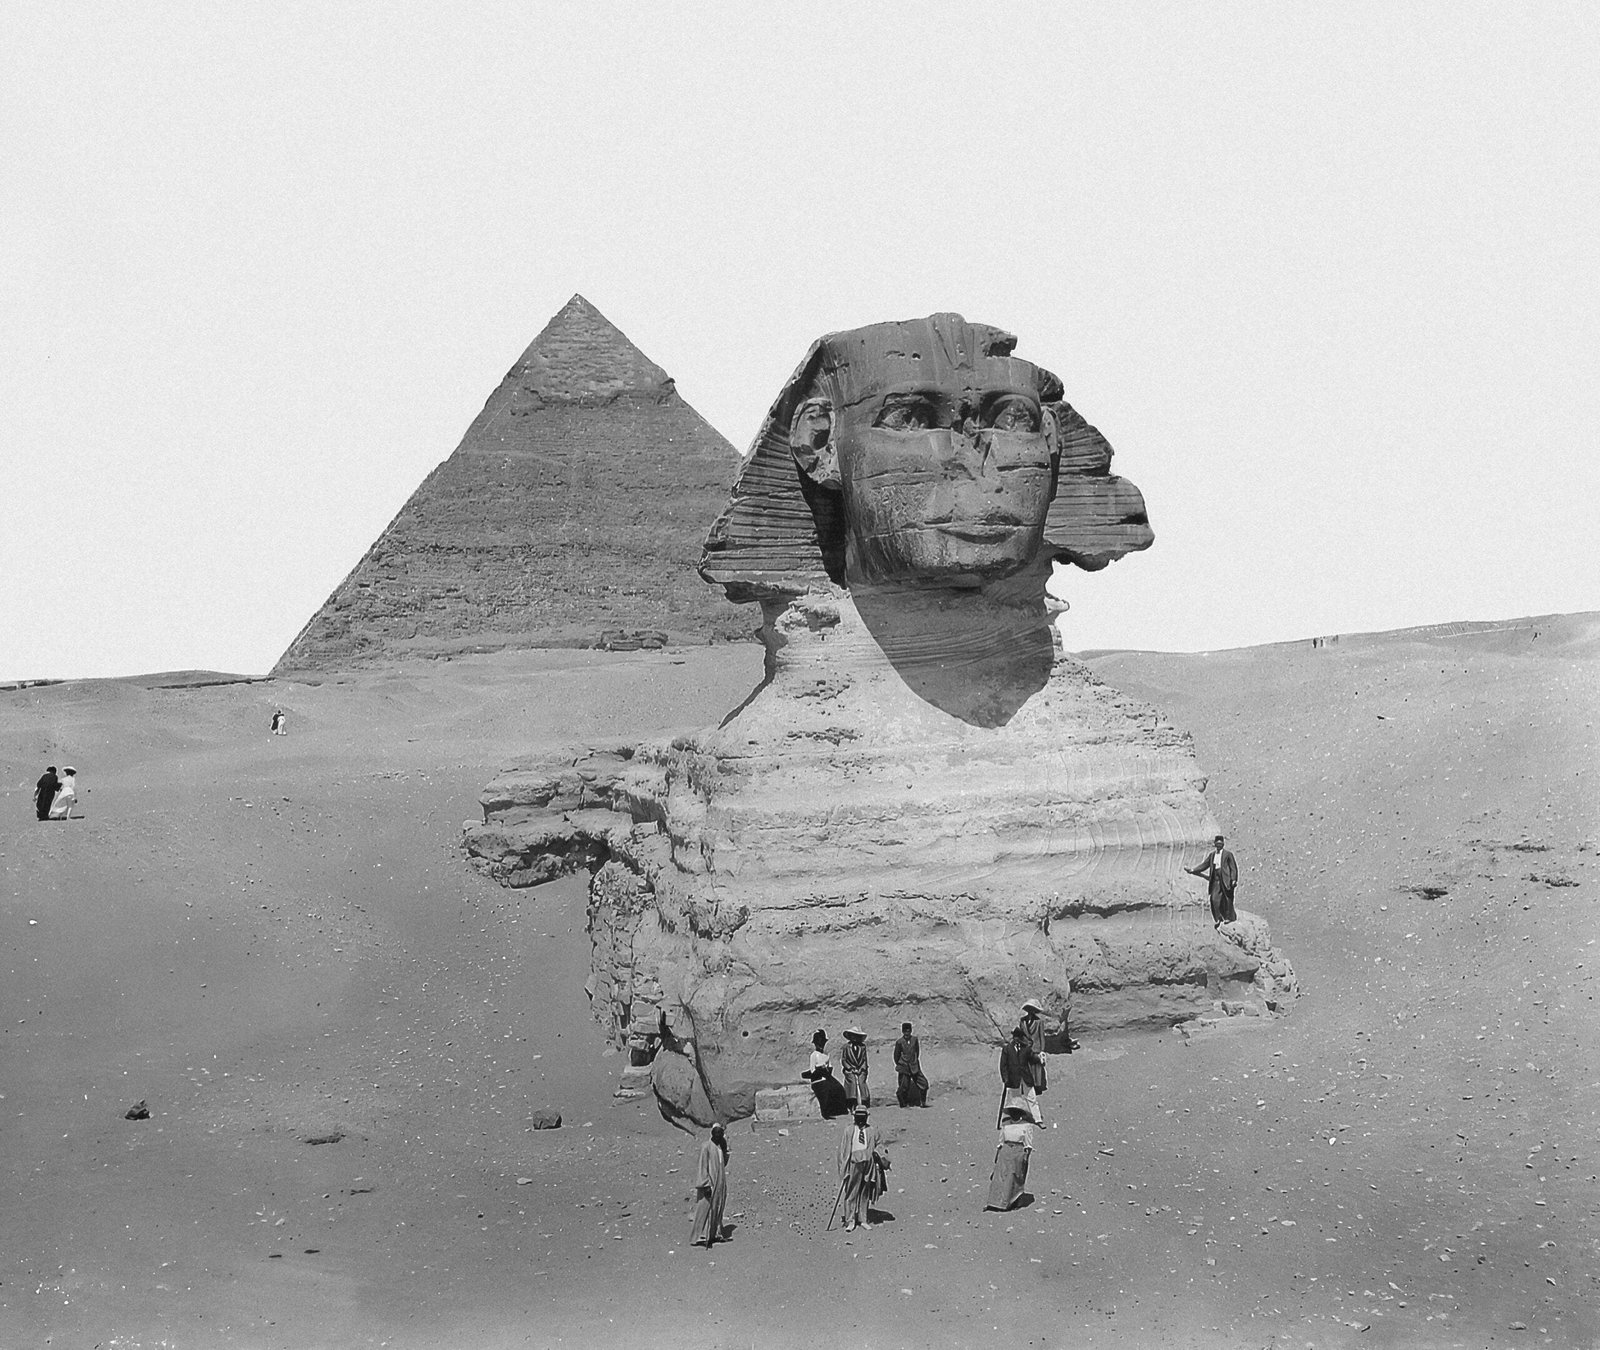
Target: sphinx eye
908,412
1012,413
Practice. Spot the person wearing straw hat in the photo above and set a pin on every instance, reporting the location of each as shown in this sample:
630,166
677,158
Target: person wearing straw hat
863,1159
1010,1172
853,1064
1033,1033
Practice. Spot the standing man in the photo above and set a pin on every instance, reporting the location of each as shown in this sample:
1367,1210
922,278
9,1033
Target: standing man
710,1188
862,1163
911,1088
1223,874
45,793
1033,1034
1016,1075
853,1064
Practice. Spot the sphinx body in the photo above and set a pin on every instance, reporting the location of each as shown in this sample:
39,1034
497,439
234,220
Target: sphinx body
926,810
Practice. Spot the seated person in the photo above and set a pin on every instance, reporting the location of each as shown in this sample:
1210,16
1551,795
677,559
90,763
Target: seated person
829,1090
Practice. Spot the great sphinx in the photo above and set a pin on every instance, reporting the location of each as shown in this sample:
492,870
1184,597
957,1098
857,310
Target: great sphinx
926,810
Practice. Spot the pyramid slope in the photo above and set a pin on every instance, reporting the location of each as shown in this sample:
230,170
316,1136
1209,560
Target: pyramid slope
577,501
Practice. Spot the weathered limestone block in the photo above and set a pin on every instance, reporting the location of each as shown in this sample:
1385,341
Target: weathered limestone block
792,1102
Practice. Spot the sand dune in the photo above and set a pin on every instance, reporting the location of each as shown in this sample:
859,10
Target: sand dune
275,940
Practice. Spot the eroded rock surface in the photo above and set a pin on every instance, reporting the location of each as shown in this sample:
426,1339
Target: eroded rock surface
844,850
926,812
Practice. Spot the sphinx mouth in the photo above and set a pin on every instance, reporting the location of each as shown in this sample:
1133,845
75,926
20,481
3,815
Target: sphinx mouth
976,533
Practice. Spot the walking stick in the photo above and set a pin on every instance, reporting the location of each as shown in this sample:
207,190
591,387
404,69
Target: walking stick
1000,1114
835,1210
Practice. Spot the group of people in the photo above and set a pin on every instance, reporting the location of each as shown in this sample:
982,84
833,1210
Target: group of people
1023,1078
863,1157
54,796
840,1098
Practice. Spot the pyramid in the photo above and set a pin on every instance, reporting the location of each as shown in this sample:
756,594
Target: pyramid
576,503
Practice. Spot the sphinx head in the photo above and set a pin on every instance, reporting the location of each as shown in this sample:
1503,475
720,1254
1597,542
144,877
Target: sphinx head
919,453
938,442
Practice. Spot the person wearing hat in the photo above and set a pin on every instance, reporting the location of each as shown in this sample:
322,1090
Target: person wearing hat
1010,1172
1033,1033
710,1188
66,795
1222,874
853,1064
828,1089
1016,1074
911,1088
863,1160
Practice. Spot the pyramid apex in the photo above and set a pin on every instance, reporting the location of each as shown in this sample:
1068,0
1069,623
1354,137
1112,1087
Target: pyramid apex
580,356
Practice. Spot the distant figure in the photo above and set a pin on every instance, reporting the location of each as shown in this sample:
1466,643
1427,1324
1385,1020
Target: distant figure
280,723
1033,1033
853,1064
710,1189
1222,872
829,1090
1016,1074
863,1160
44,795
911,1088
1010,1172
66,795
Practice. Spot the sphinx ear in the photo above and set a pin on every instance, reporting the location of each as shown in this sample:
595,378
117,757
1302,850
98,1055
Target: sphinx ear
811,441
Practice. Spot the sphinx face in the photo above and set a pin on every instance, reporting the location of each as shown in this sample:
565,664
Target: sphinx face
946,468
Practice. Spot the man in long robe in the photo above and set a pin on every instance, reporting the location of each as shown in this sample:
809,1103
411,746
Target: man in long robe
45,793
853,1064
911,1088
1033,1033
862,1162
710,1188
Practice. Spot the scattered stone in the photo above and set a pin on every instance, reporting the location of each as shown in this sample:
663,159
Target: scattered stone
138,1111
332,1137
545,1118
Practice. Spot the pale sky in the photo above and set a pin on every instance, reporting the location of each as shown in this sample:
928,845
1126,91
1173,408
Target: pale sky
1325,276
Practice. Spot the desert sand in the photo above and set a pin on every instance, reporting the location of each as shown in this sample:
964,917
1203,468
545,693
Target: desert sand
275,941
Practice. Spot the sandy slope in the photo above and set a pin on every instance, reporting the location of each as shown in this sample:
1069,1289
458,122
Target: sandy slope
275,939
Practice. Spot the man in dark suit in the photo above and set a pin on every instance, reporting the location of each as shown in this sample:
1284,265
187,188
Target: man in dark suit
1222,872
45,793
912,1086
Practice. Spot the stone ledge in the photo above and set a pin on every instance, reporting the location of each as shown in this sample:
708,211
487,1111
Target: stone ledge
788,1104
